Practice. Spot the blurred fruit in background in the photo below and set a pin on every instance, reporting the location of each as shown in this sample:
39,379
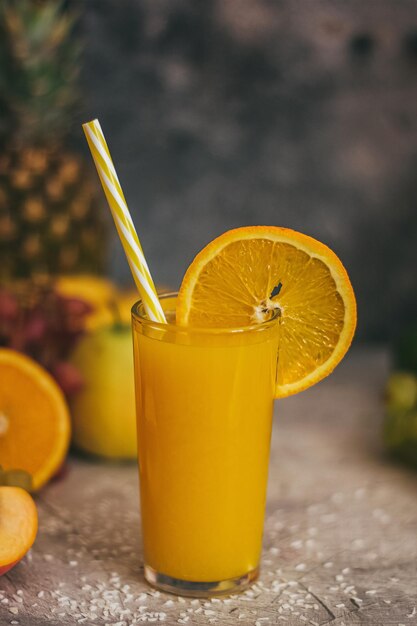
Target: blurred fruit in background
103,411
53,297
34,419
18,526
50,221
126,299
78,328
36,320
97,291
400,428
105,299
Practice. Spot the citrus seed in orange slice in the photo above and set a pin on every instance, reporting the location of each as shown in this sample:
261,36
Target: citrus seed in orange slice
243,275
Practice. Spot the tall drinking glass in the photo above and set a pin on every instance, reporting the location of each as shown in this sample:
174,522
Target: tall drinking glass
204,412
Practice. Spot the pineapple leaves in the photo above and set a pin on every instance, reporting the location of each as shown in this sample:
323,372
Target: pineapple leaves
40,55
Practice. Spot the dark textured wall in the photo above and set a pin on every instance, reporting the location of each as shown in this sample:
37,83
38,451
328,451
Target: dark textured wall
296,113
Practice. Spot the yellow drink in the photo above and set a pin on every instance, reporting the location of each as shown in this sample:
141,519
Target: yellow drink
204,407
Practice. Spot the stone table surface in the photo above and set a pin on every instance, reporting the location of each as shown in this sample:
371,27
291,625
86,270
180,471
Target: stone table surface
340,544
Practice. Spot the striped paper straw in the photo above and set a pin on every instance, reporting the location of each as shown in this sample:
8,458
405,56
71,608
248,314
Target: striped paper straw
123,220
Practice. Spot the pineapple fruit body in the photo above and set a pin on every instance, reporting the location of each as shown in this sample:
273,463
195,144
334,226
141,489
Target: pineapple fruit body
50,220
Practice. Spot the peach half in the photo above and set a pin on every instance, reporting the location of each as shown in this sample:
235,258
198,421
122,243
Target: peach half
18,526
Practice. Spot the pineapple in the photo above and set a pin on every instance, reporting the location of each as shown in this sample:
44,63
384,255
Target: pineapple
50,220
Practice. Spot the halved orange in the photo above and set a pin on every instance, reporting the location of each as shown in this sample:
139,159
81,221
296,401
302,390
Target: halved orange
18,526
240,277
34,418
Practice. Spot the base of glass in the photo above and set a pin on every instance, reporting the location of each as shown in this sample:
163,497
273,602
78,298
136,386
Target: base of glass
199,589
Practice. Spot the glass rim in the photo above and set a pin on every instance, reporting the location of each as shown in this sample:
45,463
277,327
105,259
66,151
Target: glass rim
208,330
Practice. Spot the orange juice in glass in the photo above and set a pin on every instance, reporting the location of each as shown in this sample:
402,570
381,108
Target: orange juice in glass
204,412
204,395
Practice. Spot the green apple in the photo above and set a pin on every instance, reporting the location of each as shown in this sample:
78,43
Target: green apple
103,412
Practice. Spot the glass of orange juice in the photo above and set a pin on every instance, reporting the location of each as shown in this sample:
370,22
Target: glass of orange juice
204,412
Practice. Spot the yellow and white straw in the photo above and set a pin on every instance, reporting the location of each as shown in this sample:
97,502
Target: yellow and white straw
123,220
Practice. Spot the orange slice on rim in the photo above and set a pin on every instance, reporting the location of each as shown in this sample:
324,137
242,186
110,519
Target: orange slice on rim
243,275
